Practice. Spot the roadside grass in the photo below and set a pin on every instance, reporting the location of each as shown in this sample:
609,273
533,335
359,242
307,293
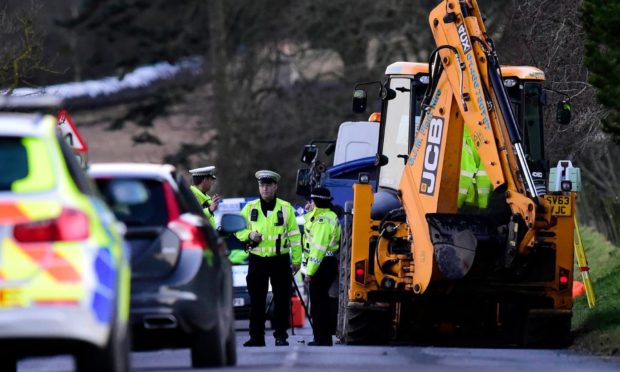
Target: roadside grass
597,330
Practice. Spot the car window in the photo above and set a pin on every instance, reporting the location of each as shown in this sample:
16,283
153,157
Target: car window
14,165
135,201
189,203
25,165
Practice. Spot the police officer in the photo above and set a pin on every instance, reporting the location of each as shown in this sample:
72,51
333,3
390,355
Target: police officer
272,237
320,248
202,179
474,184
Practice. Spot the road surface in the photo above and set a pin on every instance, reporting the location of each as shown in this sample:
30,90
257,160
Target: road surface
299,357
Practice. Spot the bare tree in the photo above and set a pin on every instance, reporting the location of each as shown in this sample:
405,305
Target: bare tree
550,35
21,48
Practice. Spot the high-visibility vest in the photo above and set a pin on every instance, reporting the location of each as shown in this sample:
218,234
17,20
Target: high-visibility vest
321,238
205,202
474,184
279,230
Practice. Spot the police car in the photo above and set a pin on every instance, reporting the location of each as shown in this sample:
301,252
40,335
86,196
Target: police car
64,273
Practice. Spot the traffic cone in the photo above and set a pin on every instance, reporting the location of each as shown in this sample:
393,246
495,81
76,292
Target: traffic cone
298,317
578,288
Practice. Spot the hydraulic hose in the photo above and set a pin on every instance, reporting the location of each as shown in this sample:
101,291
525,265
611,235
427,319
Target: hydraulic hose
502,99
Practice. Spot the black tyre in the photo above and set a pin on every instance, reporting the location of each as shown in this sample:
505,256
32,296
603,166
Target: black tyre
8,363
367,326
231,347
344,272
208,349
114,357
358,324
547,332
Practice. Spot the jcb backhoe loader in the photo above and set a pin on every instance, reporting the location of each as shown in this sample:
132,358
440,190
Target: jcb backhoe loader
414,264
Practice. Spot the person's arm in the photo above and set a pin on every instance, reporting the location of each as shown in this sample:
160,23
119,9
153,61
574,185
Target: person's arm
244,235
322,232
214,202
206,209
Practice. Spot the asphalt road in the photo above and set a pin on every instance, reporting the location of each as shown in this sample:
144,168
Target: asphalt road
299,357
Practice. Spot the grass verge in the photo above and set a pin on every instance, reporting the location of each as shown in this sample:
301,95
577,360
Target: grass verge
597,330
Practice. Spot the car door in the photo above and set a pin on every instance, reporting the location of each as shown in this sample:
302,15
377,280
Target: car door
144,206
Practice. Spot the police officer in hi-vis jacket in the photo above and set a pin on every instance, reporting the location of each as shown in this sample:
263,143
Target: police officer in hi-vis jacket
319,265
272,238
202,180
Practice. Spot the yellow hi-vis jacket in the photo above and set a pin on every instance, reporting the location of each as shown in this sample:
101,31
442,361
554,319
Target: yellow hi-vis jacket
278,229
474,184
205,202
321,238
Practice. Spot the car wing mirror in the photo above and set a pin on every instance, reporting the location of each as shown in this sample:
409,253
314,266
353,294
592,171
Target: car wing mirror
381,160
360,101
563,112
231,223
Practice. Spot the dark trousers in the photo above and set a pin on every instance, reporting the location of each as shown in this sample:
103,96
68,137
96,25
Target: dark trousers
320,301
260,270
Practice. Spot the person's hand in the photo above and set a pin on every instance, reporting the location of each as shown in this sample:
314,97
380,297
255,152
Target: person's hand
215,201
256,236
295,268
308,279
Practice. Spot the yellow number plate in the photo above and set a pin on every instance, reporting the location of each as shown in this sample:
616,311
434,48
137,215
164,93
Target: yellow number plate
560,205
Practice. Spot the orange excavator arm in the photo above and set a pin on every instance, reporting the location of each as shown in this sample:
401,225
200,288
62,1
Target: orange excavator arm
465,89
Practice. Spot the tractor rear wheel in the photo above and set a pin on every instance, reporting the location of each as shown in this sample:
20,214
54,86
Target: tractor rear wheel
368,325
358,324
344,271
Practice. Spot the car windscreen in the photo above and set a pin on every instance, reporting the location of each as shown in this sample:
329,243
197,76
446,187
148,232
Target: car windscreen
25,165
135,201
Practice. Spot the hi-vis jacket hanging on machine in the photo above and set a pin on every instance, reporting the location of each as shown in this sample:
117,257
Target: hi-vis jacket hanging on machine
279,230
321,238
474,184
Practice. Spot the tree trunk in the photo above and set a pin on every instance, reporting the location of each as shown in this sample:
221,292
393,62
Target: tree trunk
220,90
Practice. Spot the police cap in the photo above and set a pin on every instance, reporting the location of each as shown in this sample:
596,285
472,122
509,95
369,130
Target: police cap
267,176
321,193
204,171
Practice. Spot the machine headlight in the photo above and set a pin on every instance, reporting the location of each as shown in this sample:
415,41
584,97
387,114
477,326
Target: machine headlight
363,178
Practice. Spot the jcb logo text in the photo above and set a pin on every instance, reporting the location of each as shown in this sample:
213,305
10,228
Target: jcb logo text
431,156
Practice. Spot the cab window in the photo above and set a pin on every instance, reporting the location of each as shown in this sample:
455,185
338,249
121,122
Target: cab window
533,122
395,136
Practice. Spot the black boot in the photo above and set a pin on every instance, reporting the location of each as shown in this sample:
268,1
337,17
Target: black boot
317,343
254,342
281,341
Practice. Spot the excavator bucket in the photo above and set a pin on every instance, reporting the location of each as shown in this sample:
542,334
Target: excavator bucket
457,239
